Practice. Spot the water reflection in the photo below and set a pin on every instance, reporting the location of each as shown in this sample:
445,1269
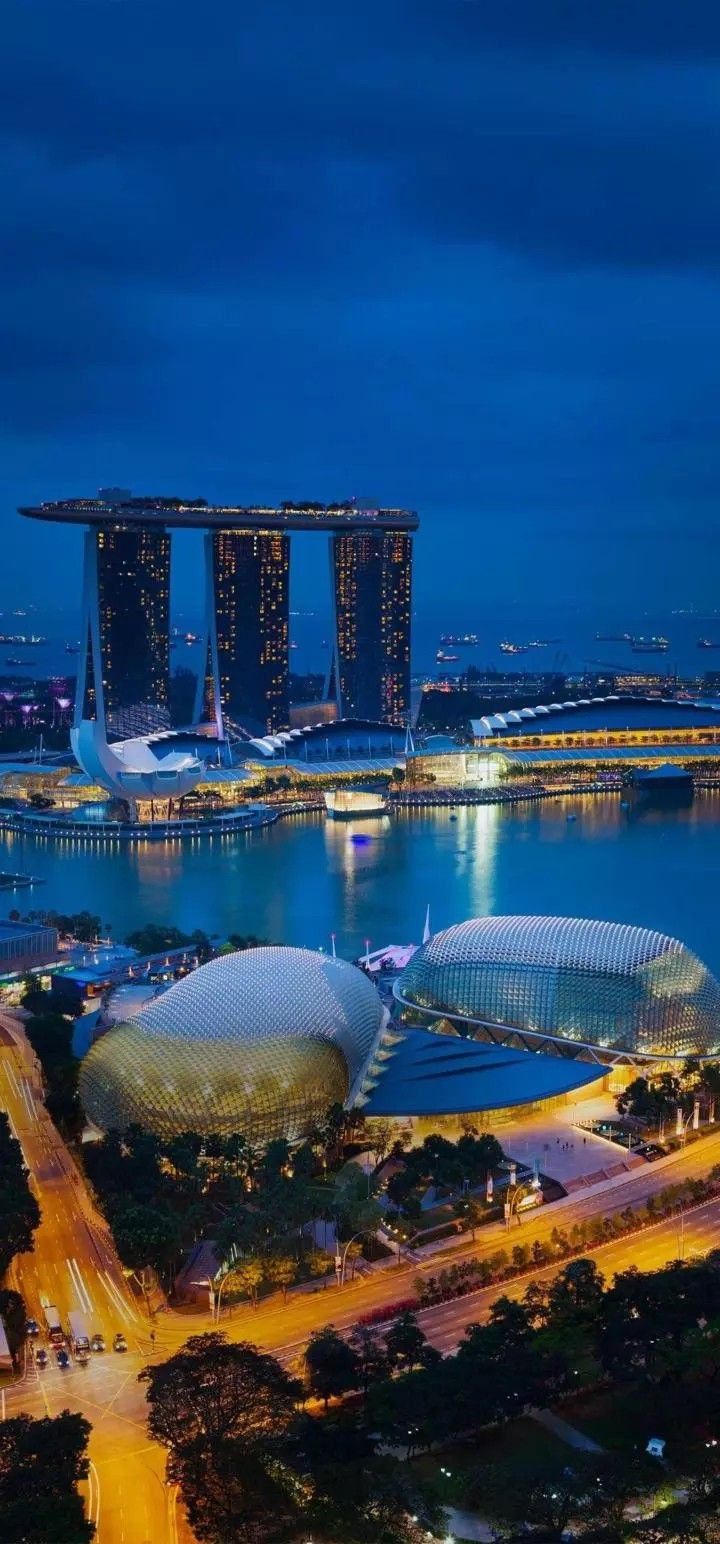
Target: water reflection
303,879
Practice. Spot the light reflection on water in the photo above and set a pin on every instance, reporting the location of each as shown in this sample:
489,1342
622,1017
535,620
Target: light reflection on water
302,879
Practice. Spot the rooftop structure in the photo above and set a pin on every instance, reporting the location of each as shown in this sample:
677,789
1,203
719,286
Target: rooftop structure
590,717
26,946
124,664
606,989
259,1042
118,504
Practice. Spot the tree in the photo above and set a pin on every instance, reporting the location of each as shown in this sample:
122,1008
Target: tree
575,1293
157,938
235,1492
331,1364
373,1363
474,1211
41,1463
147,1235
248,1273
224,1412
50,1035
406,1344
19,1210
652,1099
211,1390
355,1210
281,1271
12,1313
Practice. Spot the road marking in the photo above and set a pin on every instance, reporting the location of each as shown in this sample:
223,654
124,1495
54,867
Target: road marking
172,1496
118,1303
94,1491
85,1299
28,1100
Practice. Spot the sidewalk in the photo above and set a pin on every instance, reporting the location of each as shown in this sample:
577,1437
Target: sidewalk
565,1432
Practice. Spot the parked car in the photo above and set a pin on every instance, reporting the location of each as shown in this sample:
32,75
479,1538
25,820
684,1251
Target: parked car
97,1343
62,1357
32,1328
82,1357
41,1357
119,1343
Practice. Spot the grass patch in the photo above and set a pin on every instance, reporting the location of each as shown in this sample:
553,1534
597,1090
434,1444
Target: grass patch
508,1449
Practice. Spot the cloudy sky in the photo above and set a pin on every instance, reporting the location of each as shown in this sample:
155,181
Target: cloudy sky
455,254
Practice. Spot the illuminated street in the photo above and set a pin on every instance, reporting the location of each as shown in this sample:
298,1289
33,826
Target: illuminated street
74,1265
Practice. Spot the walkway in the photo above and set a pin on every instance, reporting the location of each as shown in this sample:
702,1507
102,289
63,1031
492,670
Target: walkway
565,1432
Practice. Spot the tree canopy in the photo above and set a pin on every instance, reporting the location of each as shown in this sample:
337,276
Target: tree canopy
19,1210
41,1463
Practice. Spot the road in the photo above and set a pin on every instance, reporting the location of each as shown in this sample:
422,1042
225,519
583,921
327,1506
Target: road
74,1265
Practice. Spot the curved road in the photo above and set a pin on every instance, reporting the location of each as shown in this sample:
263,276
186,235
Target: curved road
74,1265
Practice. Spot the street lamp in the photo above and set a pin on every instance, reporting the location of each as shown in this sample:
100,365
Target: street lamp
341,1272
512,1202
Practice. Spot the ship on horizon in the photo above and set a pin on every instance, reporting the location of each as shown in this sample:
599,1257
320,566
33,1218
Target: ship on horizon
459,640
654,645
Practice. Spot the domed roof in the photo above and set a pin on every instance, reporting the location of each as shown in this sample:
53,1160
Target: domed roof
600,983
261,1042
275,991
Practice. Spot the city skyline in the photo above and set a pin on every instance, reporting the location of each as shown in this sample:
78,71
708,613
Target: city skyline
123,685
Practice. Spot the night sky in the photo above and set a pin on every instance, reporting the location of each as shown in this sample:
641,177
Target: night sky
455,254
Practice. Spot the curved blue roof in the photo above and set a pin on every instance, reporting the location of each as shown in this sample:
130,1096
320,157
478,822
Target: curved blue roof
597,713
431,1074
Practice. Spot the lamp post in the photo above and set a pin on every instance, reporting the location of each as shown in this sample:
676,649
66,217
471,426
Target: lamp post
341,1273
514,1197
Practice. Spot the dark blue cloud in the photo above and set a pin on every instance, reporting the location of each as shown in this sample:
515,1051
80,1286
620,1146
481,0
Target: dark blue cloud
457,255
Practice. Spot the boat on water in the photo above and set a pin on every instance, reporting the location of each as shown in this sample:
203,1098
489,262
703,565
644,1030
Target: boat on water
613,637
459,640
515,648
445,659
353,803
23,640
654,645
708,643
72,648
12,661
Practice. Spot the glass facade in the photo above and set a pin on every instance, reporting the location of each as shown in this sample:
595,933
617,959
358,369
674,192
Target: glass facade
250,571
133,601
372,584
259,1042
597,984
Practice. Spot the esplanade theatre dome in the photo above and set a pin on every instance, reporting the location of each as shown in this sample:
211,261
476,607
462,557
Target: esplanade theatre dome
259,1042
567,981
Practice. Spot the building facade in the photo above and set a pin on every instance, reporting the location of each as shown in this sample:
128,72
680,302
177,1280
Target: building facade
247,673
602,989
123,677
124,664
371,575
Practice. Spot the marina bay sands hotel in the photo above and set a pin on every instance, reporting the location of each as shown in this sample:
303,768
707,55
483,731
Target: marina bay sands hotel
124,664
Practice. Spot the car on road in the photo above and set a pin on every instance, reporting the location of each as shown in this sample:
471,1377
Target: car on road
82,1357
62,1357
32,1328
41,1357
97,1343
119,1343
